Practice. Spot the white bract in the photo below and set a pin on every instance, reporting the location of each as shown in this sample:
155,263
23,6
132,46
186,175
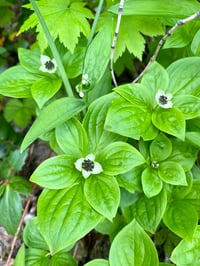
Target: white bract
164,99
88,166
47,64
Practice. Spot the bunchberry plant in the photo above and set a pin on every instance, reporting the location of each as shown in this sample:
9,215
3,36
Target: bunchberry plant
125,135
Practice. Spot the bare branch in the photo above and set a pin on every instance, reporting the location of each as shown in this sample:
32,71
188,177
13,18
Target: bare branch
120,11
161,42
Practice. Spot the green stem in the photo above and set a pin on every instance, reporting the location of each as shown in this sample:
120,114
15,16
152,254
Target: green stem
53,49
94,25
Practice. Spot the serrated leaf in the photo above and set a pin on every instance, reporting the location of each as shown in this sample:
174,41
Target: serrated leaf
94,121
136,26
181,218
10,209
184,76
56,173
44,89
32,236
55,15
72,138
16,82
170,121
172,173
144,208
19,111
130,120
52,115
189,105
160,148
97,262
119,157
65,216
187,253
134,247
151,182
103,194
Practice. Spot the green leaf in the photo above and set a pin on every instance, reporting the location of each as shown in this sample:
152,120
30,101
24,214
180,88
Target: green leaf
56,173
72,138
97,58
172,173
44,89
73,62
184,76
94,121
132,246
21,185
43,258
131,180
30,59
181,218
20,258
153,207
137,94
97,262
103,194
19,111
119,157
170,121
193,138
182,36
195,46
157,8
160,148
151,182
187,253
130,120
183,153
65,216
156,78
180,192
189,105
55,14
16,82
51,116
17,160
10,209
32,236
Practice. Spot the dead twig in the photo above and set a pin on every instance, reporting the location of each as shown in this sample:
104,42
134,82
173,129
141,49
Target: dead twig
161,42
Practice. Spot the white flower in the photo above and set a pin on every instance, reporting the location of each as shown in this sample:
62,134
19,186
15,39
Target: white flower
47,64
164,99
81,94
84,79
88,166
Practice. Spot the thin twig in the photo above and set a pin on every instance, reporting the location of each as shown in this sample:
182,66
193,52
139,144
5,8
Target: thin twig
120,11
161,42
29,200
